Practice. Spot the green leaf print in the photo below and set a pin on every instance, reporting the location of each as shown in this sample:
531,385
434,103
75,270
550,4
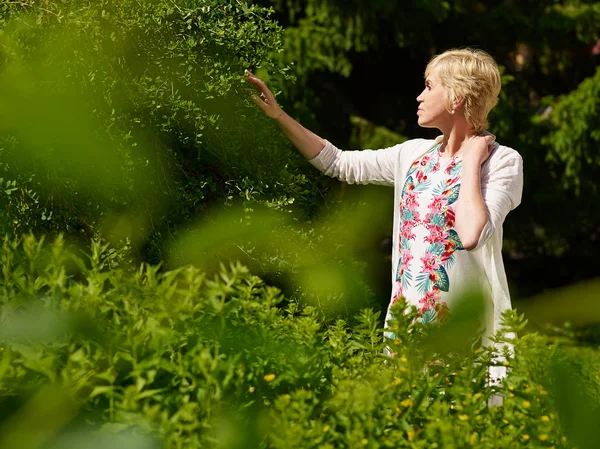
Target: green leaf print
406,279
422,186
455,239
438,220
429,316
440,188
413,169
437,249
423,283
443,282
456,169
407,215
453,194
405,243
409,182
450,262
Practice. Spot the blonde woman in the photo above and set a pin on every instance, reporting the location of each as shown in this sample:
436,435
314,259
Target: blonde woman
452,194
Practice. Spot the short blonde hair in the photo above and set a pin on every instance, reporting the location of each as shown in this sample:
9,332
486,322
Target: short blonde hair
470,74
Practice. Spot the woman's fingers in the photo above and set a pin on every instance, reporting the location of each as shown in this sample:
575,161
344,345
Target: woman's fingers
259,85
265,99
260,103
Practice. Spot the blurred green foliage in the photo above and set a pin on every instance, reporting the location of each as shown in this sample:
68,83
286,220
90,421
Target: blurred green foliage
179,359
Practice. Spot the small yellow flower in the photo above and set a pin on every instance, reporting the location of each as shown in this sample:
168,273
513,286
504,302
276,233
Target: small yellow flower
403,359
478,395
543,437
407,403
512,395
564,439
397,411
365,441
463,417
525,437
410,435
505,421
545,418
326,428
506,363
396,382
473,439
397,341
526,404
251,389
511,388
402,369
269,377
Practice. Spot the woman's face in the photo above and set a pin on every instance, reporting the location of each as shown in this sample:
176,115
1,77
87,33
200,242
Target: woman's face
432,110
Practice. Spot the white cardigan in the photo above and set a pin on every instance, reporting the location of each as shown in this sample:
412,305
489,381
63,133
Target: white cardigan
501,188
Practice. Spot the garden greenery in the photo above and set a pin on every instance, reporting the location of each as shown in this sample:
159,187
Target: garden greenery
178,359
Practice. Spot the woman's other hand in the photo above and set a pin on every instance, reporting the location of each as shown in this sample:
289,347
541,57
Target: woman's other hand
477,149
265,99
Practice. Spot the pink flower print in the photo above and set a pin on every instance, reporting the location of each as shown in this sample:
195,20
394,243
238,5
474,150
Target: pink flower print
406,231
437,203
436,234
409,200
429,300
406,258
430,264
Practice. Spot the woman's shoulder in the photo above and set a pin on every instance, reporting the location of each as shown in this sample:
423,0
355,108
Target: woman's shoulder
414,148
502,156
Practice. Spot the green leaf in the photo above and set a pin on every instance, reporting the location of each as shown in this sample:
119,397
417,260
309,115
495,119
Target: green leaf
442,282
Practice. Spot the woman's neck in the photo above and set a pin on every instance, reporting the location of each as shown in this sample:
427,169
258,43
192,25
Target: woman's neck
453,140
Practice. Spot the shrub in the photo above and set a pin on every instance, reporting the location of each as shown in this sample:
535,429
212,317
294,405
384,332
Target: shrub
225,361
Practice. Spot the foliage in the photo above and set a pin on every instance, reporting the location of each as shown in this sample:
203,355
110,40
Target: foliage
574,134
182,360
126,119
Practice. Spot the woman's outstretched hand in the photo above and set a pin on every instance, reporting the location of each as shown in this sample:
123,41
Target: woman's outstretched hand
265,99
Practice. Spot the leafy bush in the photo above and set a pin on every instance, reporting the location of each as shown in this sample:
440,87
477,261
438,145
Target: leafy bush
192,361
127,118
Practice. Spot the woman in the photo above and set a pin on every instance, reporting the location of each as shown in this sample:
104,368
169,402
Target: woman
452,194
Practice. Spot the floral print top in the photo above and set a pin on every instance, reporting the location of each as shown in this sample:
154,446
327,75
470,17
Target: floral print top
428,243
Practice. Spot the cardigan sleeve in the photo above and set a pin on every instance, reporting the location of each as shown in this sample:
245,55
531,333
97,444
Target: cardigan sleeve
501,189
359,167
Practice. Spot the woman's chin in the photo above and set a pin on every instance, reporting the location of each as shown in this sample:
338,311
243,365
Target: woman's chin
423,123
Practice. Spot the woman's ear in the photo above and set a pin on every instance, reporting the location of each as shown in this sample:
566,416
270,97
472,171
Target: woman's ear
457,104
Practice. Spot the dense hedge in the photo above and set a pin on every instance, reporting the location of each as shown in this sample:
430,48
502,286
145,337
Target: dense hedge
181,360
